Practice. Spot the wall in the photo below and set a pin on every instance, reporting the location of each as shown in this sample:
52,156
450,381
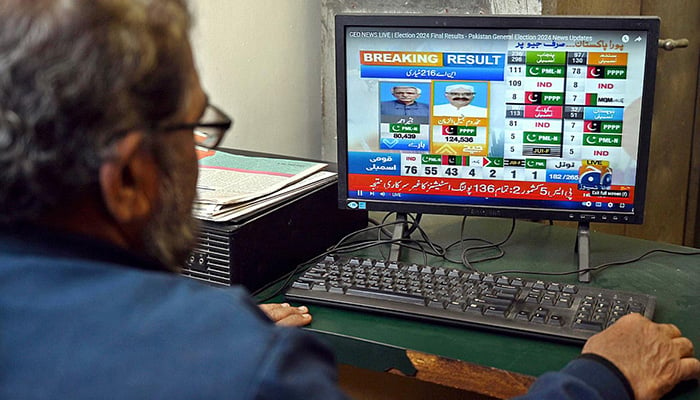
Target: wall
259,61
263,62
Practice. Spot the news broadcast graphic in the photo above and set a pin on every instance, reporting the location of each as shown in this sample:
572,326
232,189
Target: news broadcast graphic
546,118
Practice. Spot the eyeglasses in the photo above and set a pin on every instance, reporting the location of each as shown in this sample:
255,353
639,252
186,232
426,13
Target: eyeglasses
461,94
209,130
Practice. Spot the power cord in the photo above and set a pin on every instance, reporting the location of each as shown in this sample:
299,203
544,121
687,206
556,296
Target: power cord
599,267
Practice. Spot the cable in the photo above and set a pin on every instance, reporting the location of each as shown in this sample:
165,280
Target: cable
598,267
424,245
347,248
427,247
464,260
413,226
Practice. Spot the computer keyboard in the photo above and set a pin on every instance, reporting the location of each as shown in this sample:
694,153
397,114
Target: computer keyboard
516,305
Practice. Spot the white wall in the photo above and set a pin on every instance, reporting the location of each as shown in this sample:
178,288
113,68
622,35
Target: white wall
259,60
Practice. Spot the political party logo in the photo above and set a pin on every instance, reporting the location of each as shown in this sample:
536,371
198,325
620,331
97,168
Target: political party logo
533,98
453,160
595,72
459,130
591,126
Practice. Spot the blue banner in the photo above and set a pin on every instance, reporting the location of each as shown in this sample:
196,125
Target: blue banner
374,163
434,73
404,144
486,60
603,113
562,176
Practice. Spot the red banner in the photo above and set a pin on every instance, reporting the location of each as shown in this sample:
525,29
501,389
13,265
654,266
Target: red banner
488,188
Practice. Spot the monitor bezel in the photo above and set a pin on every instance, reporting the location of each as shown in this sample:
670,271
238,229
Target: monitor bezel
628,23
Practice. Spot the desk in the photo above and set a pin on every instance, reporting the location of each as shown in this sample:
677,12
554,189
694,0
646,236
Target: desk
425,350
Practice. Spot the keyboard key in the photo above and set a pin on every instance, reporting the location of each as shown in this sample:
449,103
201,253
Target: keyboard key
517,282
539,317
491,299
588,325
556,320
564,302
454,273
532,298
523,315
320,286
474,308
474,276
498,311
377,294
301,285
539,285
570,289
436,302
335,289
554,287
636,307
507,289
503,280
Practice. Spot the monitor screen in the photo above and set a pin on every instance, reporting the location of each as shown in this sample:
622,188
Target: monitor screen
518,116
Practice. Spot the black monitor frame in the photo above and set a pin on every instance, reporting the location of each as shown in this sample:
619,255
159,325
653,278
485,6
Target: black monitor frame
647,24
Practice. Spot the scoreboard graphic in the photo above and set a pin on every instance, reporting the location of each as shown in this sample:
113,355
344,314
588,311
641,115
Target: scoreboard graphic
498,117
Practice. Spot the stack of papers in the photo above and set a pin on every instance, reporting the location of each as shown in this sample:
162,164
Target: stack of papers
231,186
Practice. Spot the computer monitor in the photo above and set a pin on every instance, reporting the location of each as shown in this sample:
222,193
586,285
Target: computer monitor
507,116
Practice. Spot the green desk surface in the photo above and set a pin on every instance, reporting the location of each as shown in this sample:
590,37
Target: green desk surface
376,342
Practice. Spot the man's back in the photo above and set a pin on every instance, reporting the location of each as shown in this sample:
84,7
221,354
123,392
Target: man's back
77,326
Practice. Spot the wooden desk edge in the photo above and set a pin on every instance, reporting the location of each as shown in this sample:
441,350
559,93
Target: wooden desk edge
464,375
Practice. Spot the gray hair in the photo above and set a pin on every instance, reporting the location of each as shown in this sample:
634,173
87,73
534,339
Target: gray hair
417,89
74,75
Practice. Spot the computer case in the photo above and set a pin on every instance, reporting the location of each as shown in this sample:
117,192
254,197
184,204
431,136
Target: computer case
265,245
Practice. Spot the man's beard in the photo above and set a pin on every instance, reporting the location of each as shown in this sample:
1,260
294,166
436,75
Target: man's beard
172,233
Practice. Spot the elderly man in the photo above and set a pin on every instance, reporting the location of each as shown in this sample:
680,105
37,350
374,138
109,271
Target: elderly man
459,97
405,103
100,112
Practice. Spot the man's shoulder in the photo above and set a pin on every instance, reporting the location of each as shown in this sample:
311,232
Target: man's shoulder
422,105
161,332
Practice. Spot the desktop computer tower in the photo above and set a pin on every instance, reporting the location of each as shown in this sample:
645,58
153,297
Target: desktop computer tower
263,246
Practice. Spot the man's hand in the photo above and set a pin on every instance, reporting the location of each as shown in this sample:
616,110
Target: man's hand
286,315
654,357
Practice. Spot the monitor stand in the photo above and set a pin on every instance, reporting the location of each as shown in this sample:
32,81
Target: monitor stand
583,248
400,233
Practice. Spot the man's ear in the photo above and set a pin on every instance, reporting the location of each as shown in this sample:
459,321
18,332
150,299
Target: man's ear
129,181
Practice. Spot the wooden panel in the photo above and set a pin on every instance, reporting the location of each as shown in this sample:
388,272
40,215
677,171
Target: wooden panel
670,216
591,7
363,384
692,231
487,381
673,126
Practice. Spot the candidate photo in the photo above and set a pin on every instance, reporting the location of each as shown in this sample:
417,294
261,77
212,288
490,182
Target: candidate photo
461,99
399,103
